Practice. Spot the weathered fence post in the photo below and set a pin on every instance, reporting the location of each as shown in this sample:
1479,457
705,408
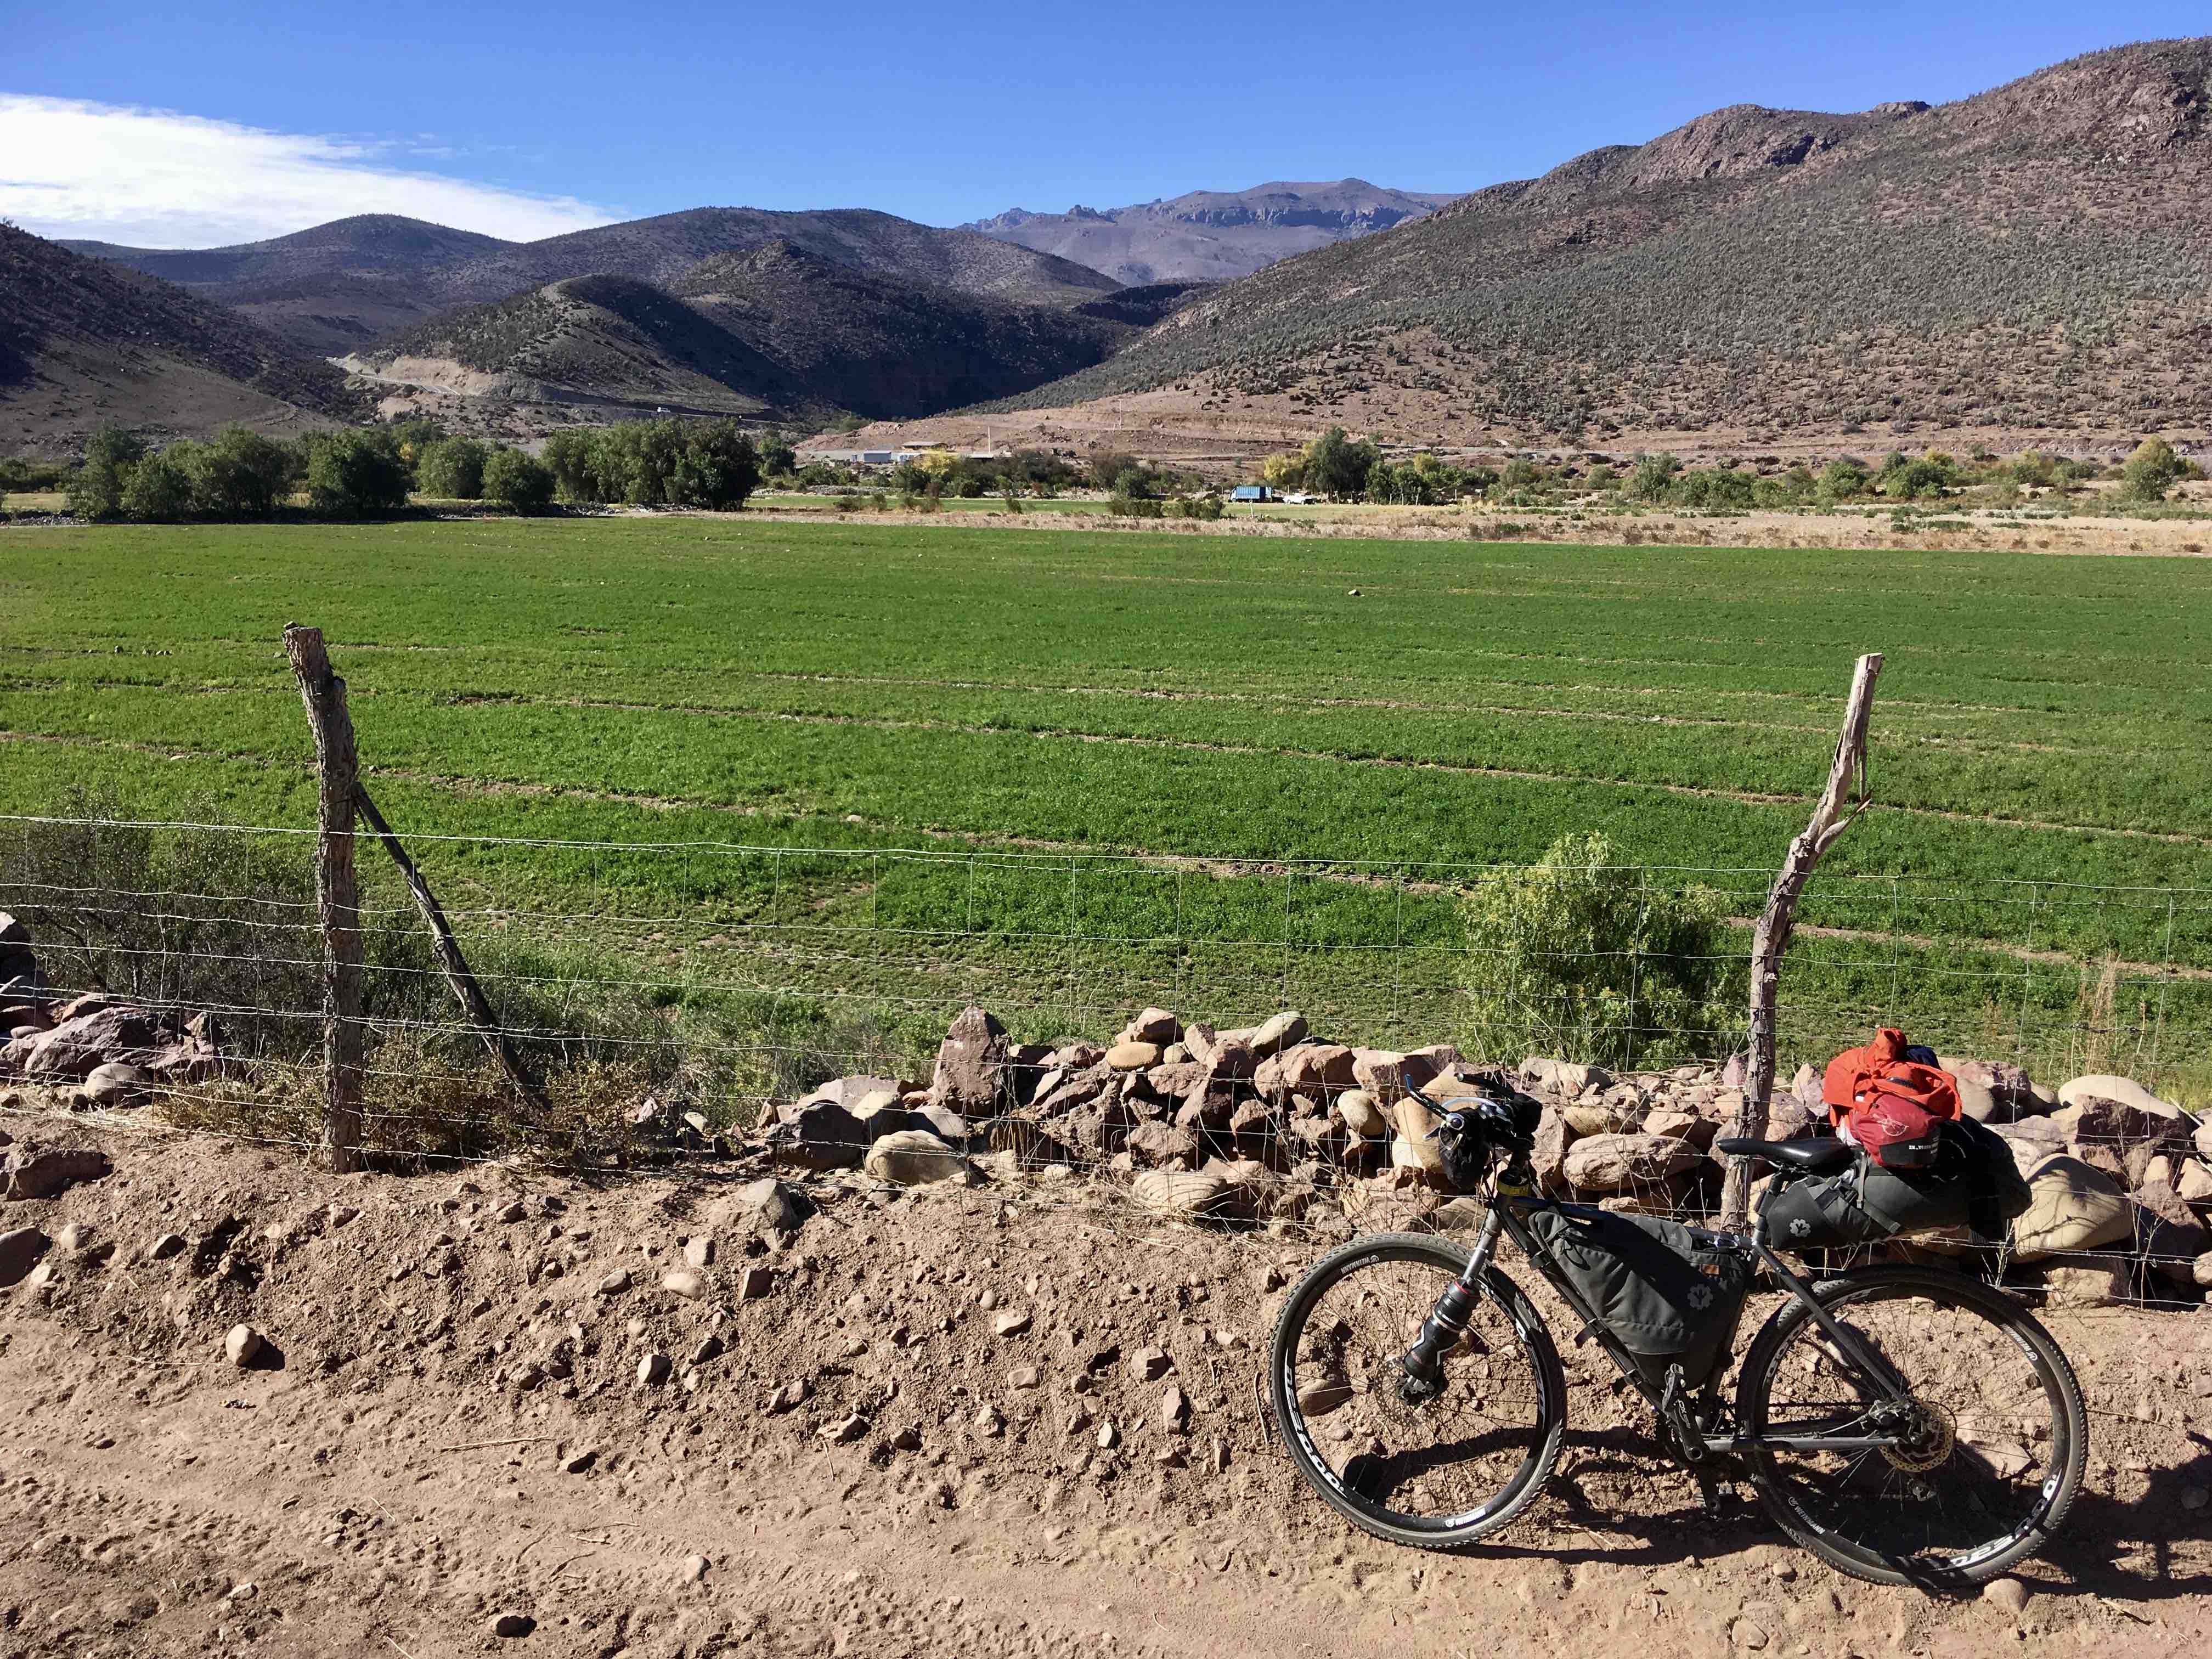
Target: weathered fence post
337,900
1847,786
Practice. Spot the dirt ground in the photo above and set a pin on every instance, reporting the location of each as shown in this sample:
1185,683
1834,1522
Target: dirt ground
461,1418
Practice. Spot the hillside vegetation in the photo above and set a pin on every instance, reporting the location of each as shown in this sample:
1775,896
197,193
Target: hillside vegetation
2031,258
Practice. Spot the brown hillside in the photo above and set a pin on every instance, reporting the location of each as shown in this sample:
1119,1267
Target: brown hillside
83,342
2028,261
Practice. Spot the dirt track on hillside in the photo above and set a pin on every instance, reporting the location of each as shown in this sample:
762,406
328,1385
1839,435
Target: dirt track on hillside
398,1482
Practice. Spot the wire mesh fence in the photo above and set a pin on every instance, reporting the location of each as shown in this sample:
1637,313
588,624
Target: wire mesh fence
729,980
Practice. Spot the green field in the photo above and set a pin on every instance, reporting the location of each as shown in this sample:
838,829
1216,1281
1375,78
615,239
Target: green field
886,768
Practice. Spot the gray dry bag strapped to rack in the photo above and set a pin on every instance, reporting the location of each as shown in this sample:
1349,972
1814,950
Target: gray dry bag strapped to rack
1664,1296
1972,1182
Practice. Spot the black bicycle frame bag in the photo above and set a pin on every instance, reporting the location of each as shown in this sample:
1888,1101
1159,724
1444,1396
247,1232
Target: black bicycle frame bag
1972,1182
1665,1297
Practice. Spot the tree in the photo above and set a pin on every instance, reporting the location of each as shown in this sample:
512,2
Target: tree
778,460
1285,471
1581,958
573,457
720,467
1337,465
1108,465
160,487
111,454
241,474
452,469
517,480
357,471
2150,471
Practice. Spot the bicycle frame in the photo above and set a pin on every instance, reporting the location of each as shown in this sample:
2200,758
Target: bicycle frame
1509,1195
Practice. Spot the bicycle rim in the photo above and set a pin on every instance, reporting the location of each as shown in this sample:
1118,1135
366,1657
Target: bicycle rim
1436,1473
1991,1443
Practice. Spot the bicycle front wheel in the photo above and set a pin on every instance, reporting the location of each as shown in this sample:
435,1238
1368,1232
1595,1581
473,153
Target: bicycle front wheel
1433,1471
1988,1446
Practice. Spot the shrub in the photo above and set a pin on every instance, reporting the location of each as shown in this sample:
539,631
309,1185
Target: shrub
2150,471
573,458
452,469
1579,956
1841,481
517,480
1714,489
1652,478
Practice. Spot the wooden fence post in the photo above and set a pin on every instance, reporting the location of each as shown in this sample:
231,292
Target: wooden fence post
451,962
1847,787
337,900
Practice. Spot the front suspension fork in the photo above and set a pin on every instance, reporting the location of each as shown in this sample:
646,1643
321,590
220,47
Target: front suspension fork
1423,1361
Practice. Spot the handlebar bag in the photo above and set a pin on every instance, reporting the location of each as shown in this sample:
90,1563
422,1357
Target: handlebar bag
1665,1297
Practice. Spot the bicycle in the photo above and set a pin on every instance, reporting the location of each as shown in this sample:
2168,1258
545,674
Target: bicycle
1906,1425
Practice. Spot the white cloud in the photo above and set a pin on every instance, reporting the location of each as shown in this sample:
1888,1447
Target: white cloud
155,179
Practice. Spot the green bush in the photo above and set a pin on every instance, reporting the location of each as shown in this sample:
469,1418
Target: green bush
1581,958
2150,471
1652,478
517,480
241,474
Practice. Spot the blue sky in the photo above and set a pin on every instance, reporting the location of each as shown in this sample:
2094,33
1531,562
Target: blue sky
184,126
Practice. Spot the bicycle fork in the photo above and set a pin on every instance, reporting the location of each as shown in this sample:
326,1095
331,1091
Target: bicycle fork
1423,1361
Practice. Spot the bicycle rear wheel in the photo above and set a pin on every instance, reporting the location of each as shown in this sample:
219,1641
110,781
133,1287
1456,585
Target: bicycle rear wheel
1991,1447
1434,1473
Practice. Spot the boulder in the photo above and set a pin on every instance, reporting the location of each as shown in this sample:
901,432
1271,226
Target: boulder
947,1125
822,1135
973,1069
1599,1115
1228,1055
2119,1137
84,1041
1549,1157
20,1251
118,1084
914,1157
1074,1056
37,1171
1385,1073
2087,1281
1161,1145
1181,1193
2167,1233
882,1111
2071,1206
1607,1163
1976,1100
1363,1114
1155,1025
1305,1068
769,1206
2102,1085
1278,1032
1699,1132
1133,1056
2201,1270
2193,1185
1073,1088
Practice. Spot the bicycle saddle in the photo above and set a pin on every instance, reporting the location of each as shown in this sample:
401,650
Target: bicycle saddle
1814,1156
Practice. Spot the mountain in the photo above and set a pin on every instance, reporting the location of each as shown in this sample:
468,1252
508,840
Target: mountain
337,286
775,331
1212,235
2025,261
83,342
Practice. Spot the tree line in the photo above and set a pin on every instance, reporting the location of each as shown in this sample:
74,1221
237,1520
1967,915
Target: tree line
242,474
1348,469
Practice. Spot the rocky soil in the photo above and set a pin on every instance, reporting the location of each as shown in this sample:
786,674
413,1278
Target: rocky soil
259,1408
